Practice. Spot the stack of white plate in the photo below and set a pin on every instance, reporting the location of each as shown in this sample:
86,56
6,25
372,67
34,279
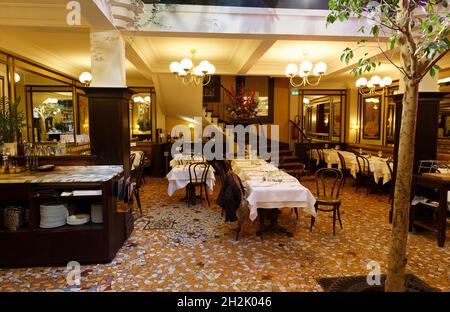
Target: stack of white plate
78,219
53,215
97,213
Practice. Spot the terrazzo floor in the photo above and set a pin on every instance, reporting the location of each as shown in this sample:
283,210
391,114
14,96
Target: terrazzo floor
176,248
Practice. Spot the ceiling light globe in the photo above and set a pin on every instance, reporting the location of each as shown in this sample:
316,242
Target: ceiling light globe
175,67
375,80
148,99
291,70
198,71
361,82
186,64
306,101
85,77
211,69
387,81
182,73
138,99
370,84
204,65
320,68
306,66
16,77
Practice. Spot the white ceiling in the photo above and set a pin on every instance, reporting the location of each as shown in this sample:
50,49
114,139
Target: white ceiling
41,34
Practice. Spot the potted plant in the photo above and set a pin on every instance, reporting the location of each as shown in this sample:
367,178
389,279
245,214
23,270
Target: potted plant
11,122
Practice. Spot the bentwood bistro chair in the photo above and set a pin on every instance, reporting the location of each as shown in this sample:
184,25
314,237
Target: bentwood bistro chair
328,183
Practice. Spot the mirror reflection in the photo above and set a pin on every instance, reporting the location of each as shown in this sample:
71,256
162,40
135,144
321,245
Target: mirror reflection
141,116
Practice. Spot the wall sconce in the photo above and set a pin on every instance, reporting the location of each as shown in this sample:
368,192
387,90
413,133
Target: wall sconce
191,126
86,78
16,77
355,126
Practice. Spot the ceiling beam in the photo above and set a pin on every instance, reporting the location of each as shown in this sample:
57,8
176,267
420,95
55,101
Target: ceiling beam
262,48
95,16
133,55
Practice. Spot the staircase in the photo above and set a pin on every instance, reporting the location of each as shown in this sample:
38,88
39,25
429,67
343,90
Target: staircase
216,114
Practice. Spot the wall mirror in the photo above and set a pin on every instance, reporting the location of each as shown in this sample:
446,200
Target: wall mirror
323,114
371,117
141,108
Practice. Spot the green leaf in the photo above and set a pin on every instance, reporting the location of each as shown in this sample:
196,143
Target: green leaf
375,30
392,40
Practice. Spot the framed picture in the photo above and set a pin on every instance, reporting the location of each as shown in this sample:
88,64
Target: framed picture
336,118
211,92
371,119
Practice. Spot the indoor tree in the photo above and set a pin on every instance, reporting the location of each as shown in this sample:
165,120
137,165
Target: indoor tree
420,31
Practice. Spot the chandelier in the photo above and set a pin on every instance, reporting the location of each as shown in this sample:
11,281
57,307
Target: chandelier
308,73
189,73
369,87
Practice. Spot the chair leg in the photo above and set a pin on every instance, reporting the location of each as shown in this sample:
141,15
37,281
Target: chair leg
368,186
339,217
334,221
206,194
313,220
138,199
296,212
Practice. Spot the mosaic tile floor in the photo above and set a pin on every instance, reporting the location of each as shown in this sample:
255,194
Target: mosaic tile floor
176,248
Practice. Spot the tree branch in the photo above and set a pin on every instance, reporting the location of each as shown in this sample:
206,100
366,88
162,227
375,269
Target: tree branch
424,68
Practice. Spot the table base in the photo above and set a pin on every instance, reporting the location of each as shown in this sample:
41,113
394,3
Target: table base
273,227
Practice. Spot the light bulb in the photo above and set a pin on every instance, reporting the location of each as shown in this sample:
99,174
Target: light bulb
387,80
198,71
148,99
291,70
182,73
138,99
375,80
361,82
320,68
306,101
370,84
16,77
186,64
306,66
211,69
85,77
175,67
204,65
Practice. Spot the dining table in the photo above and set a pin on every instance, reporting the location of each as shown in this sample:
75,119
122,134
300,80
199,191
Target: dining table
268,187
377,165
179,178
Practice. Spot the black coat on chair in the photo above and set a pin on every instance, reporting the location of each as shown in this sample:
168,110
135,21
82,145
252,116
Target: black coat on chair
230,196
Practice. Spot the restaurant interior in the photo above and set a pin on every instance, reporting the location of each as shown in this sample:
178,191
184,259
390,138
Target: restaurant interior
104,165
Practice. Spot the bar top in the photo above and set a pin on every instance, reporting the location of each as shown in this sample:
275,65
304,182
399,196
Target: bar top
65,174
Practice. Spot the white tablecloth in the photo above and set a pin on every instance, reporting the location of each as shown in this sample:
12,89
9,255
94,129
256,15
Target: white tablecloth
264,194
377,165
179,177
179,159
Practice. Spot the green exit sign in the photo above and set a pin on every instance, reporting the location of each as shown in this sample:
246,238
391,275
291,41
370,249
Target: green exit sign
294,92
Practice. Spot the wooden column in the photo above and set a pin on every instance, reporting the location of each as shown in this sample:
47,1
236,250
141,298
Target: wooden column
109,125
425,147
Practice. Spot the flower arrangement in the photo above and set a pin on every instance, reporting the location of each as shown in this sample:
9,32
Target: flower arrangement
241,106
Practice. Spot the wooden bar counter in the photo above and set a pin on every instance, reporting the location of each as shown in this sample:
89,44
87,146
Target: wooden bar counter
31,245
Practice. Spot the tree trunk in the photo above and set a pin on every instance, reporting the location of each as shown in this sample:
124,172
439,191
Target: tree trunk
395,280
